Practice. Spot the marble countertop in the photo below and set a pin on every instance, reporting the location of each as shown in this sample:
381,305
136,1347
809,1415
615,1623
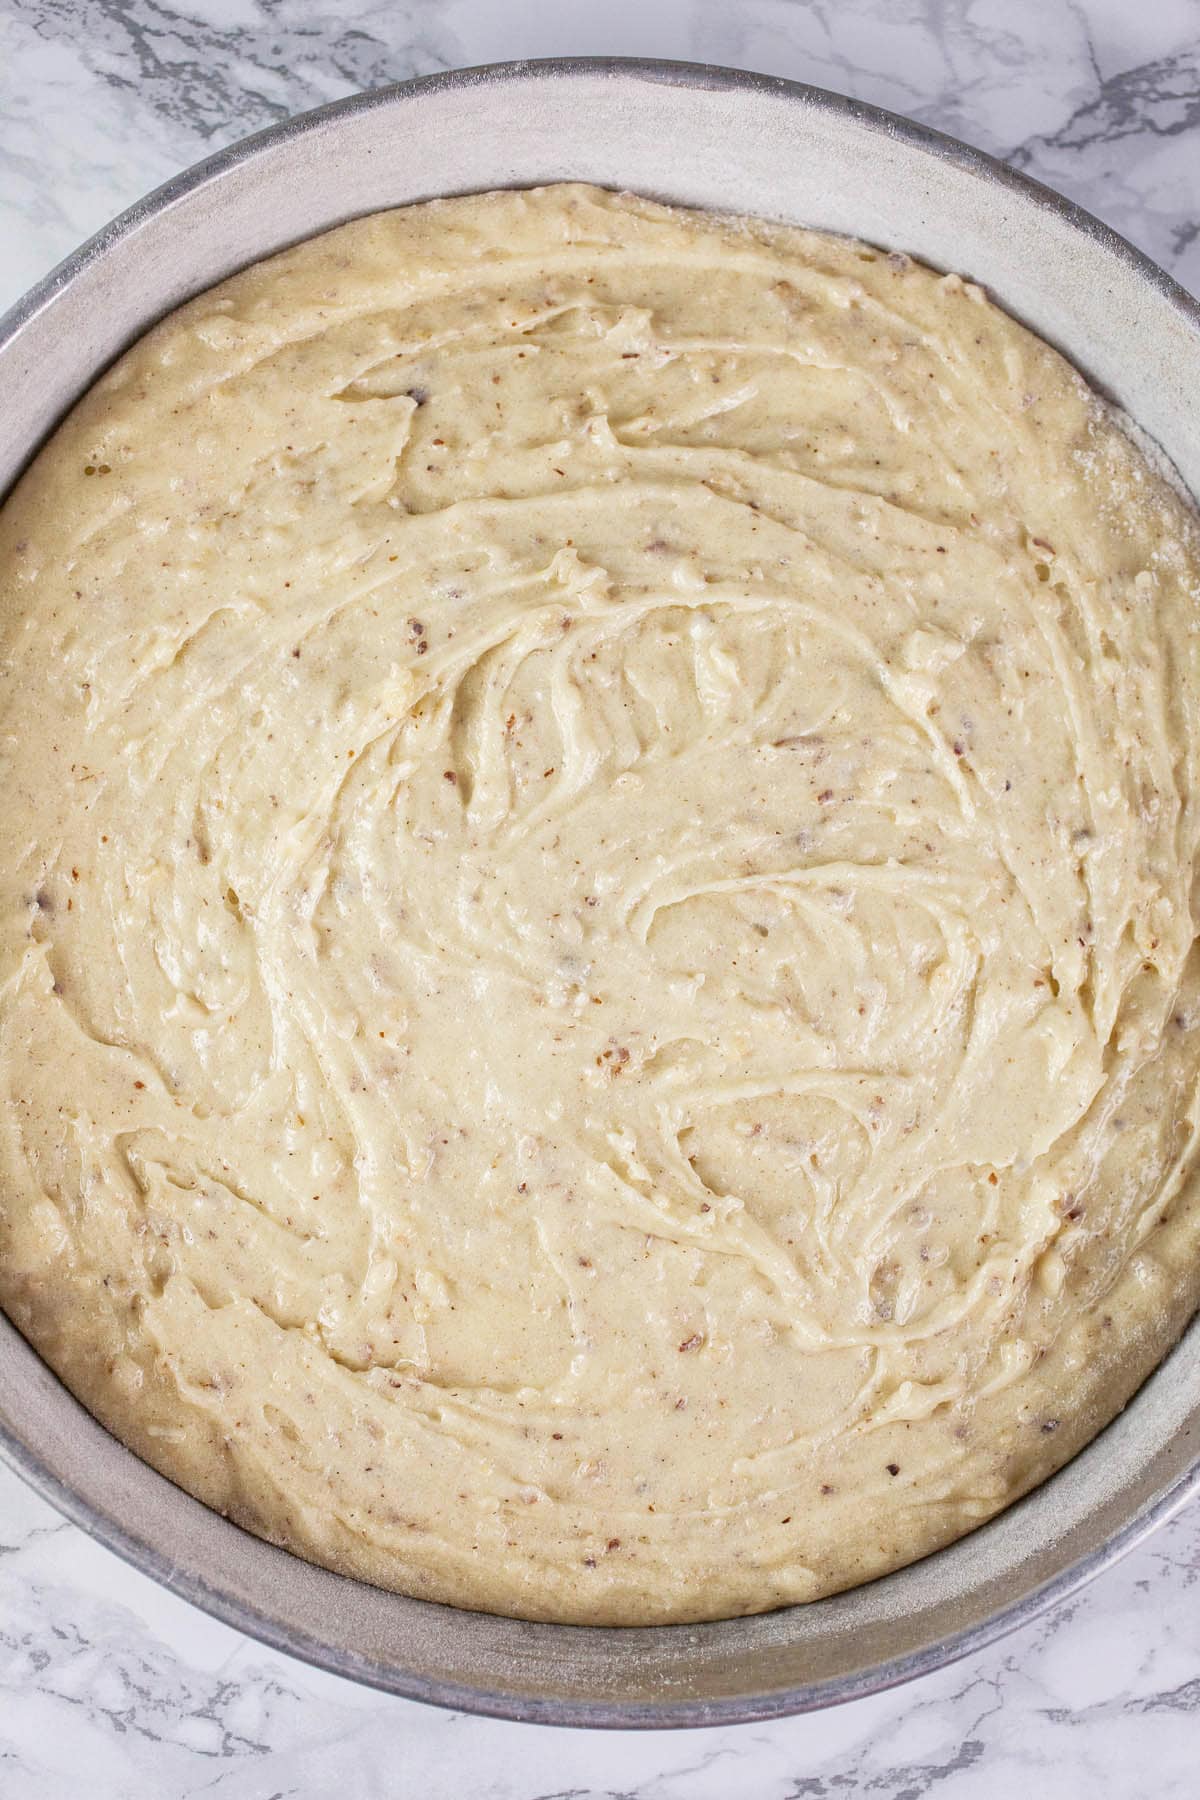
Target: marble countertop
110,1687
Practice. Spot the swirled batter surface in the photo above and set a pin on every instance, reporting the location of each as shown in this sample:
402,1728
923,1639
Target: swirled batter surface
596,873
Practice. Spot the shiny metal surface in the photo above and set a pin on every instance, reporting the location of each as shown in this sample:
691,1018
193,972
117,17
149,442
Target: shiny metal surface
708,137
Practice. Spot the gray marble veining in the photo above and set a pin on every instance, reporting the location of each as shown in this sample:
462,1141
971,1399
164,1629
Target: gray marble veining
108,1685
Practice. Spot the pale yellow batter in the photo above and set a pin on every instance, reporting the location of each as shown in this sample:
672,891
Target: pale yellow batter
597,1008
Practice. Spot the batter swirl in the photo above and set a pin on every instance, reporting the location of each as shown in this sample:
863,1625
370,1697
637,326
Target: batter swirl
598,1009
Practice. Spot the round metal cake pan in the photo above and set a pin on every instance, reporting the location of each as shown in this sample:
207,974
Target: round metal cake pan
714,138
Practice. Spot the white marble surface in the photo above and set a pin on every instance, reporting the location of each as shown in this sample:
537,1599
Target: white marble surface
109,1687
